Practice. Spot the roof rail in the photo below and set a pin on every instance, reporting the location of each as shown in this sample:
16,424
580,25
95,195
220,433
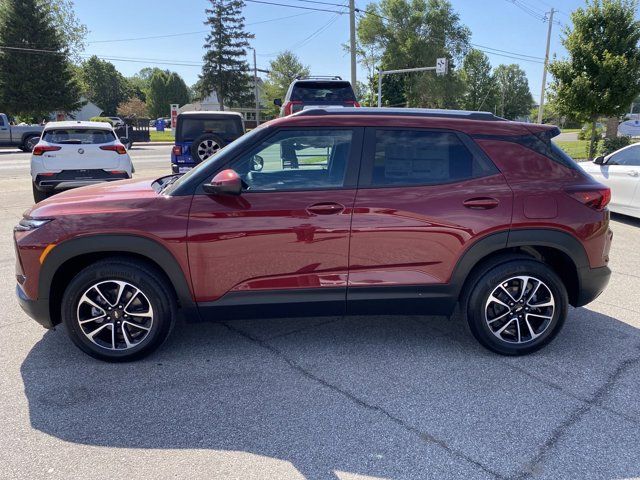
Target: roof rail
318,77
402,112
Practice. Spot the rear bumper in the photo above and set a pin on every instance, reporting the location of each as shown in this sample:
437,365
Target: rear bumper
36,309
593,281
72,179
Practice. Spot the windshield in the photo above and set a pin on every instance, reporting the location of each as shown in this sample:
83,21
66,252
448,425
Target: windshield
78,136
222,156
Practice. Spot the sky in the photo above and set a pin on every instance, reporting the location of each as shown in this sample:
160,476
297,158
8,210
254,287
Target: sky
315,36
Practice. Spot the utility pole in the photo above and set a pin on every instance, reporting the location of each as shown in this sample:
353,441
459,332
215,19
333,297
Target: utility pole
255,87
352,40
544,70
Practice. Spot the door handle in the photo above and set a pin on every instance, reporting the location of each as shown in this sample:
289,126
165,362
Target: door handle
327,208
633,173
481,203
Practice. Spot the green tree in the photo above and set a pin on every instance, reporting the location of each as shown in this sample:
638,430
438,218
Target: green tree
282,71
479,84
513,97
72,31
601,76
165,88
34,84
225,69
104,85
414,33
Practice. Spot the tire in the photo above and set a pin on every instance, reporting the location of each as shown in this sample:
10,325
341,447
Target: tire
38,195
506,322
29,143
205,146
140,327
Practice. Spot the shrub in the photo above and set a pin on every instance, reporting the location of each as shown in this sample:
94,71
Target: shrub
610,145
102,119
585,132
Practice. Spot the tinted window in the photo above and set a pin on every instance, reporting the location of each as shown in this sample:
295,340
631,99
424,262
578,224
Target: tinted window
628,156
192,128
323,92
78,136
1,122
297,160
423,158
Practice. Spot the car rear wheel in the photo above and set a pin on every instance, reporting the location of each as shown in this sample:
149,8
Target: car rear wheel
30,143
205,146
118,310
516,307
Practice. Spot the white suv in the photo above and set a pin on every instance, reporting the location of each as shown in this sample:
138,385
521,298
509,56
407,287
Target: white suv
74,154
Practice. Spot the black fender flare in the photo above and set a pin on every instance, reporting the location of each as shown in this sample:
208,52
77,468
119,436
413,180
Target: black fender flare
526,237
116,244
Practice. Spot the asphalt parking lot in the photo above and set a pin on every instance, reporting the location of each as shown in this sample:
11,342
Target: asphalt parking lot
322,398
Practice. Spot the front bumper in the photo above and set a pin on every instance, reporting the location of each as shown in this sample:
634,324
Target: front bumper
593,281
36,309
76,178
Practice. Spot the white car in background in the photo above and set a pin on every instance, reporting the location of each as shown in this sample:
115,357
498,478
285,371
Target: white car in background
73,154
620,171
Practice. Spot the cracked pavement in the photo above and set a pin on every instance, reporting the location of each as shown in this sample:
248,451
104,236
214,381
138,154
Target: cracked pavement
383,397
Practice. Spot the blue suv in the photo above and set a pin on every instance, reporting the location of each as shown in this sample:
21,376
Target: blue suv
202,134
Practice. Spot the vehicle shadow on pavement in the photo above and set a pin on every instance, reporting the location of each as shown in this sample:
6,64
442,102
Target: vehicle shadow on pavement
388,397
627,220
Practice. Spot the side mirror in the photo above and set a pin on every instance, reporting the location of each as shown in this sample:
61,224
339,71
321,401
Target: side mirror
226,182
277,102
599,160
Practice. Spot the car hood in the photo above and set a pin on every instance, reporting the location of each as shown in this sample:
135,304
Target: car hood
98,198
590,167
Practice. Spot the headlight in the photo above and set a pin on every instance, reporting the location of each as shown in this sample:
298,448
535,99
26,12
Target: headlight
27,224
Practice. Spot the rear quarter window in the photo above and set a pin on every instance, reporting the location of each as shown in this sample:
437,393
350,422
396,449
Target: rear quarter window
78,136
322,92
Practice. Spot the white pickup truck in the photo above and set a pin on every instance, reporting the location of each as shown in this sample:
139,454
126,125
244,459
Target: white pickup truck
23,137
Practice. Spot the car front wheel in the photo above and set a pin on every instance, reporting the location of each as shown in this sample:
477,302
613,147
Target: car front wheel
118,310
516,307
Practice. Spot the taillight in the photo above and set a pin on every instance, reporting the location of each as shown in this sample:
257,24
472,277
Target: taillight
596,198
39,150
177,150
351,103
292,107
114,148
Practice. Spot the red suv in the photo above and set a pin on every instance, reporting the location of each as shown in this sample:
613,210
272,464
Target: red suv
328,212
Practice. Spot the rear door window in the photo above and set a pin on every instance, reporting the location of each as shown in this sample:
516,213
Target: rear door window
323,92
78,136
419,157
192,128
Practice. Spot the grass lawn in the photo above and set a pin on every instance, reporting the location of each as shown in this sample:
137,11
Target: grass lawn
577,150
570,130
161,136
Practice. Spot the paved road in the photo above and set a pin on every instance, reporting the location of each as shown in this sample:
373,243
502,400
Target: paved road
567,137
323,398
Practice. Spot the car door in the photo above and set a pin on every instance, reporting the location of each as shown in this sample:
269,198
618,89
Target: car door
423,197
285,239
5,132
621,173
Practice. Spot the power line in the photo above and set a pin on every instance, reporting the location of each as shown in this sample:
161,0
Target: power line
305,40
321,3
297,6
490,50
156,61
192,33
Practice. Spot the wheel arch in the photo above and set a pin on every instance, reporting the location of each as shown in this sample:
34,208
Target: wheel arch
560,250
69,257
26,136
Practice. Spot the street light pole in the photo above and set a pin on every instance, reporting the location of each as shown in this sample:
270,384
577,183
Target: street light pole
352,40
255,87
544,70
